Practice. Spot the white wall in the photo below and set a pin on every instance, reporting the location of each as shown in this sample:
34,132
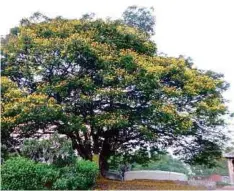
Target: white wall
154,175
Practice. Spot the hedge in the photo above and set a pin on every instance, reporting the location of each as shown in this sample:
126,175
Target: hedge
20,173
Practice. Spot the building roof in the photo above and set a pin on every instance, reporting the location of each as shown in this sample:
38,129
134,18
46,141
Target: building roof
229,155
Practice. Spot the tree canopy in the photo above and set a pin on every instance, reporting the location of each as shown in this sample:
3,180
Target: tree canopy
141,18
23,114
102,84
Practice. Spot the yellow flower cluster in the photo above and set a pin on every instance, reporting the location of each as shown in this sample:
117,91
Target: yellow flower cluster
8,120
111,119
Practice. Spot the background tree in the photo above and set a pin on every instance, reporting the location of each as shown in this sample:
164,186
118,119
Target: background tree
230,147
165,163
220,168
88,16
141,18
115,94
54,150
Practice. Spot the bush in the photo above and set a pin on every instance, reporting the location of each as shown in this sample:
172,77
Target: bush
71,181
67,179
88,169
19,173
23,174
47,173
80,176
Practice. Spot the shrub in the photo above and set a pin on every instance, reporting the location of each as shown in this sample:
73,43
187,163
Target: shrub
71,181
19,173
88,169
23,174
80,176
47,174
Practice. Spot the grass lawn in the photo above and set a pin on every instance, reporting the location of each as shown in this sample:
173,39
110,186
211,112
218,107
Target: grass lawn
105,184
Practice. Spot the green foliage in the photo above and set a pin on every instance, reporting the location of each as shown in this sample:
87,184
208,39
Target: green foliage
89,169
22,174
165,163
162,162
140,157
102,84
219,168
81,176
141,18
230,147
71,179
48,174
168,163
88,16
55,150
31,111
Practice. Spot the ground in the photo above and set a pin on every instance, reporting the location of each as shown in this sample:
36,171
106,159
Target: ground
227,188
104,184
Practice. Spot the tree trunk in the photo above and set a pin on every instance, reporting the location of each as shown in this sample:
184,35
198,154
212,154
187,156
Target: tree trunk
100,157
104,155
103,165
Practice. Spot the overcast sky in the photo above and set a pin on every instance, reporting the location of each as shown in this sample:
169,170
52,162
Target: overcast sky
201,29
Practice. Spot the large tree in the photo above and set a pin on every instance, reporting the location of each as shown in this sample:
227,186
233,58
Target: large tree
116,94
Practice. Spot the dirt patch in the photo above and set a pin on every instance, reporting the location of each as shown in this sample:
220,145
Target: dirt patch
105,184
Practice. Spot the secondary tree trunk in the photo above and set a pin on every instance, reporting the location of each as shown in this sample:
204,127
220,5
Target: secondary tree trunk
100,157
103,159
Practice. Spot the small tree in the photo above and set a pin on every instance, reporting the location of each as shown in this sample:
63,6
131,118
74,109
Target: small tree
54,150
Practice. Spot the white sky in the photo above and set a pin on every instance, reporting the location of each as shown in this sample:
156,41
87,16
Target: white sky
201,29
